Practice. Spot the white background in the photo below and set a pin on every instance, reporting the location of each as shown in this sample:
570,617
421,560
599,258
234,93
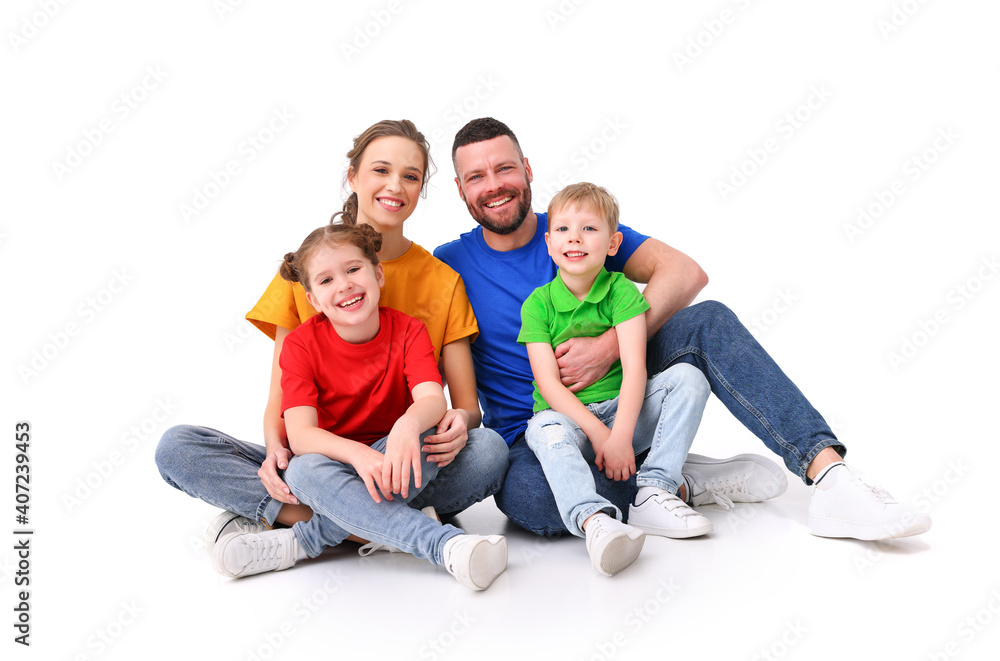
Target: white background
124,315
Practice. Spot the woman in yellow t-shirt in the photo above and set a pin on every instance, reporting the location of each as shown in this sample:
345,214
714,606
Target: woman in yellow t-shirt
388,173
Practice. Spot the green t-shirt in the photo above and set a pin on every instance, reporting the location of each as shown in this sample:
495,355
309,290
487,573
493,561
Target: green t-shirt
552,314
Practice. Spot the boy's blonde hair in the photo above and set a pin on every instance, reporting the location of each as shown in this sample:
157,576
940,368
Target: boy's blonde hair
585,194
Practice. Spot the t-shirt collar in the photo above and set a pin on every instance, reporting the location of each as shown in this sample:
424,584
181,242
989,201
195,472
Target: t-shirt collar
564,301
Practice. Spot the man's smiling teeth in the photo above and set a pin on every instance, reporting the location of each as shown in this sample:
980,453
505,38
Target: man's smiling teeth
390,203
350,302
496,203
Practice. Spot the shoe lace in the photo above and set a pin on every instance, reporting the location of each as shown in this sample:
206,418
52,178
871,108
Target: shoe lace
373,547
723,487
267,551
877,492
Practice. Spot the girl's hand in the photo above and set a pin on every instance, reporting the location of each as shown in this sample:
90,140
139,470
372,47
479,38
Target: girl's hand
452,435
616,457
268,474
402,453
369,465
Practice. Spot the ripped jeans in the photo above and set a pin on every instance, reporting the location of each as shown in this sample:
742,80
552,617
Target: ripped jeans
671,412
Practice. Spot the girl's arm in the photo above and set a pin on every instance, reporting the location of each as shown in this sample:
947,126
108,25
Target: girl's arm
546,372
402,449
617,456
306,437
275,436
452,432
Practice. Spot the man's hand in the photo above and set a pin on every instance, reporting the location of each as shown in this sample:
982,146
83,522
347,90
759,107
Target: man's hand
616,457
452,435
268,474
584,360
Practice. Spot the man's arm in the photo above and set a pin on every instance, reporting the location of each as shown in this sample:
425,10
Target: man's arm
672,281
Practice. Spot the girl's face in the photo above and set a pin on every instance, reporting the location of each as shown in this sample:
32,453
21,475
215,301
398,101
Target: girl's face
344,286
388,182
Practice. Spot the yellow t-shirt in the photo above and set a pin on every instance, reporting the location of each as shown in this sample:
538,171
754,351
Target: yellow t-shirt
417,284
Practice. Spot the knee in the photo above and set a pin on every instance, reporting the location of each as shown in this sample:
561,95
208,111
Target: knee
172,448
691,380
300,465
714,312
489,451
546,428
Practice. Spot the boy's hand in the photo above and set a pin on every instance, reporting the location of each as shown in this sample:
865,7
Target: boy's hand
402,452
369,464
452,435
616,457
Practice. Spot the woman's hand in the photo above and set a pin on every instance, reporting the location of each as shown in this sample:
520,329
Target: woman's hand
268,474
452,435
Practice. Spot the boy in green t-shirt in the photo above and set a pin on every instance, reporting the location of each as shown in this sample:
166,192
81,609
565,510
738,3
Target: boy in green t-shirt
620,415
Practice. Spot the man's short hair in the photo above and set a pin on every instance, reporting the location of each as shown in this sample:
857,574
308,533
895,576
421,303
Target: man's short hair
587,195
480,130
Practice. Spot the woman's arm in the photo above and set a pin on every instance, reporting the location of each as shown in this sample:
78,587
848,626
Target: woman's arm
452,432
275,436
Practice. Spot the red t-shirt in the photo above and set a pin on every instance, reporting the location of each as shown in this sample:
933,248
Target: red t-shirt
358,390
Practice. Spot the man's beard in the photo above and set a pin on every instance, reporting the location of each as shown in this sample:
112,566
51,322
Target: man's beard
514,221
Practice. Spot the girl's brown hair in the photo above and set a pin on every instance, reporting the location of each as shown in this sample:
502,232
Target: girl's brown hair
402,128
365,237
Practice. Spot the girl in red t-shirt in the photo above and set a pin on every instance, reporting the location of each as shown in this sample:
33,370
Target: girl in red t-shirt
360,389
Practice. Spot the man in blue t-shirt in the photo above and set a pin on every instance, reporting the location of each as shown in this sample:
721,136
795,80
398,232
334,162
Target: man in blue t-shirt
504,259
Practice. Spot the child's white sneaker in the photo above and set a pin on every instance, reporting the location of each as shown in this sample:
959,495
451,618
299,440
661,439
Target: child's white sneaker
229,522
475,560
374,547
244,554
847,505
745,478
666,515
612,545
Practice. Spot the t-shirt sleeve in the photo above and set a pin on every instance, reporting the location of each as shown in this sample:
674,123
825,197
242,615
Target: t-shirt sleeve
627,300
630,241
534,320
419,365
298,379
276,307
461,318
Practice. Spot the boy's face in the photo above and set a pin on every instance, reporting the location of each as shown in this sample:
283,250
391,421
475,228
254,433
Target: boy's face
579,240
344,286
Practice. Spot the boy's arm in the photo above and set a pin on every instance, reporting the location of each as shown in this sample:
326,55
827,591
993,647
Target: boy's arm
617,456
306,437
402,449
558,396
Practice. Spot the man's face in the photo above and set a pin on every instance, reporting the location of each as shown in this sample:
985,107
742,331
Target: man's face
495,183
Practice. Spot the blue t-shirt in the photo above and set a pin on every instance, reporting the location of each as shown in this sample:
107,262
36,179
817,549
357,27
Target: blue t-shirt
498,283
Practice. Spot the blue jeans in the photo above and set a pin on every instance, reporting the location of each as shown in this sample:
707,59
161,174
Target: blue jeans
222,471
668,420
341,505
742,375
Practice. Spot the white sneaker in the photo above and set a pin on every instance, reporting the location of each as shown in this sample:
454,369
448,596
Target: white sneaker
245,554
847,505
612,545
475,560
374,547
229,522
666,515
745,478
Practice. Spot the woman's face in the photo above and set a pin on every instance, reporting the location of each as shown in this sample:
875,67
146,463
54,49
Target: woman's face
388,182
